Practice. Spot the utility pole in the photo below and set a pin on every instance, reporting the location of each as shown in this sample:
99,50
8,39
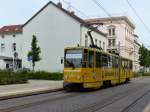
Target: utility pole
119,60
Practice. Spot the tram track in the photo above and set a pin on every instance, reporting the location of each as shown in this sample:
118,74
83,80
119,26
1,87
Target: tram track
129,107
23,106
108,101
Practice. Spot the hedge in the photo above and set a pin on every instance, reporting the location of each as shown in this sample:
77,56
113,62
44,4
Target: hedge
146,74
8,77
42,75
137,74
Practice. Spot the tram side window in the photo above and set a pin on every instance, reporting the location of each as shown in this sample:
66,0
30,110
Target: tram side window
91,59
131,65
98,59
115,62
110,61
85,59
123,63
126,64
104,60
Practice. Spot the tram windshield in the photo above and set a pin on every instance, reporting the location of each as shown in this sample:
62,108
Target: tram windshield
73,58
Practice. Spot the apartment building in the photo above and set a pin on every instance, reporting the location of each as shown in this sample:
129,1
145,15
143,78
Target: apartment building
10,46
121,37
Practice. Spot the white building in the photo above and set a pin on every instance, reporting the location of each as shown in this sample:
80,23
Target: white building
10,44
55,29
136,61
120,32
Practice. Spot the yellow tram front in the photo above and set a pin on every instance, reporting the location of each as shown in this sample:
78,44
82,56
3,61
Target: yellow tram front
79,67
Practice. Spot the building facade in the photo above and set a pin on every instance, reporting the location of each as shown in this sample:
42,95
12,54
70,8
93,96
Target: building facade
136,61
55,29
10,46
121,38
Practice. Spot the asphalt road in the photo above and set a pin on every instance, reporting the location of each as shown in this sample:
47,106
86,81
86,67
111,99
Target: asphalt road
131,97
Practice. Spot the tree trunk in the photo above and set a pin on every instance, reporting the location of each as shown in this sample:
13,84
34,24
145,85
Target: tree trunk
33,66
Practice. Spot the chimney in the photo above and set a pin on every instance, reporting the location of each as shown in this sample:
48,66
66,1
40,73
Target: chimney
59,4
72,13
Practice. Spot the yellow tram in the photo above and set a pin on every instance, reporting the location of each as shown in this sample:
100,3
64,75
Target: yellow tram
92,68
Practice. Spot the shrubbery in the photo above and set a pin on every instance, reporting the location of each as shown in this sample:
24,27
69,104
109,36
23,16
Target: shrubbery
138,74
146,74
42,75
8,77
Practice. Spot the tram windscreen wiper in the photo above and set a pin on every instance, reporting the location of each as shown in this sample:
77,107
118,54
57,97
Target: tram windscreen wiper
70,63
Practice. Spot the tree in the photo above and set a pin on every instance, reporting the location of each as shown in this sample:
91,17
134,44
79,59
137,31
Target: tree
35,51
144,56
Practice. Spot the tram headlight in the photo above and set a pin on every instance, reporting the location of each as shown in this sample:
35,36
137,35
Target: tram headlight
78,77
66,77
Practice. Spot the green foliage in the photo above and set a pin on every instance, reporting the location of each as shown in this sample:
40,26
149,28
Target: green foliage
42,75
8,77
137,74
35,51
146,74
144,56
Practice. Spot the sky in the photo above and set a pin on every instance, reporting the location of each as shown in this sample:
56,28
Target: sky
19,11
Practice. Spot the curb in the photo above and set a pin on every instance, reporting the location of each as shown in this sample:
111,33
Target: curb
29,93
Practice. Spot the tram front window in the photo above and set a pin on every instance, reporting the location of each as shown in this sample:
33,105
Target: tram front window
73,58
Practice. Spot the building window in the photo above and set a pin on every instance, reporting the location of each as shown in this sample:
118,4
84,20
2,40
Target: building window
86,41
95,41
2,47
3,36
14,35
109,32
103,45
14,47
113,31
113,42
99,43
109,42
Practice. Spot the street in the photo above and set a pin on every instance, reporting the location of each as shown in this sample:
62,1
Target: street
131,97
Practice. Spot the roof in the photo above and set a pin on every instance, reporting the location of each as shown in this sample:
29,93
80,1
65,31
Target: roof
101,20
69,14
11,29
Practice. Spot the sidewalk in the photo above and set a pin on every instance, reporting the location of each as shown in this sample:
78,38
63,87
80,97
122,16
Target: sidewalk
32,87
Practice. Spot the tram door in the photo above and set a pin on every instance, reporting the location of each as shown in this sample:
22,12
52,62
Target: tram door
91,63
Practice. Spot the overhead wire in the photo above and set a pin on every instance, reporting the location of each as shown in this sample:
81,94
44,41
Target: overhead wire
104,9
138,16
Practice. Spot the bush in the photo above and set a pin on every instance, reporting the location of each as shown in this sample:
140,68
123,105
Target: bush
42,75
146,74
137,74
8,77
